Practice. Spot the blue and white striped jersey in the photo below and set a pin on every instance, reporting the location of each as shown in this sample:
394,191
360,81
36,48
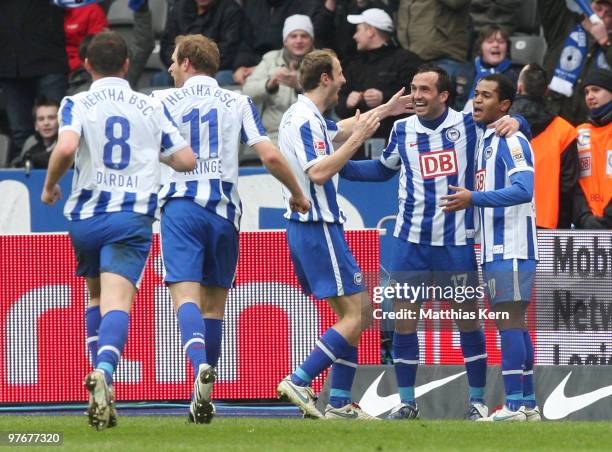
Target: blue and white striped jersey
505,232
117,166
305,138
429,161
214,120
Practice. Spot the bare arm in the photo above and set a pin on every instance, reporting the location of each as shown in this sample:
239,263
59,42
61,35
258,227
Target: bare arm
182,160
363,128
274,161
61,160
397,105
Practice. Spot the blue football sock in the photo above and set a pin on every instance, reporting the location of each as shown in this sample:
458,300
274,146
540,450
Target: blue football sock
92,328
406,361
192,334
513,359
475,358
328,348
528,389
212,336
343,374
112,338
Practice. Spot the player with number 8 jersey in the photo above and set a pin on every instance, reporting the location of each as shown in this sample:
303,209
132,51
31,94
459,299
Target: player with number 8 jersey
117,137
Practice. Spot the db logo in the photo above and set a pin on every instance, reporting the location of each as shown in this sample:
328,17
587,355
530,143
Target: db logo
480,180
439,163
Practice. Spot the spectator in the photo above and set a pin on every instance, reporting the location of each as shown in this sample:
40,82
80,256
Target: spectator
438,32
263,30
333,31
577,43
219,20
34,62
554,147
37,149
274,86
494,12
493,55
379,71
592,201
143,41
78,23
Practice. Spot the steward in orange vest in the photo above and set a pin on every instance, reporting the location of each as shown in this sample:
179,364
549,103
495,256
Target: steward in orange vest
592,201
554,148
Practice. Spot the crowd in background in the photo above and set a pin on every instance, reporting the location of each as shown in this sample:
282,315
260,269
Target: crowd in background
381,44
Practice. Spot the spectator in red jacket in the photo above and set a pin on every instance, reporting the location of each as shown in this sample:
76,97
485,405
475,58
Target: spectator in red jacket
78,23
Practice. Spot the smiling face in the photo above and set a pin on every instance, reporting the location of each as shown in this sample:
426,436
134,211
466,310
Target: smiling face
46,122
428,102
335,84
487,106
298,43
596,96
494,49
177,71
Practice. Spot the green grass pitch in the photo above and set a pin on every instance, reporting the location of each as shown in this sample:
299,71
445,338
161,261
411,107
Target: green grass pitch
246,434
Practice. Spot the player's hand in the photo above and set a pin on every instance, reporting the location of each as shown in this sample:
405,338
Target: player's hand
373,97
353,99
505,126
51,196
461,199
365,126
399,104
299,203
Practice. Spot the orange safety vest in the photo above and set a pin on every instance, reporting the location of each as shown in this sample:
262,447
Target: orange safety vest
595,159
548,147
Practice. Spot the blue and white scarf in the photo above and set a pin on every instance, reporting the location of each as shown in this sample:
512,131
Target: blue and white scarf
571,61
482,71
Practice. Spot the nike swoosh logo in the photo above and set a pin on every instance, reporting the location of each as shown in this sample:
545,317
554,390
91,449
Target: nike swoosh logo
300,396
375,405
352,415
558,405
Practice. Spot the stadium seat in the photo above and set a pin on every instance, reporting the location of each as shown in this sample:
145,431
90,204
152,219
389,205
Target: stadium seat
120,14
5,149
528,49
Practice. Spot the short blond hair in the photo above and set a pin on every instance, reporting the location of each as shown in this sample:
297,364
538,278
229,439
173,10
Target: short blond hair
315,64
202,53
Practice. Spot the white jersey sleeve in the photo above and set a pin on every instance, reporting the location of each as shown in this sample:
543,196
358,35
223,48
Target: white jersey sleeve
391,156
171,139
252,131
68,120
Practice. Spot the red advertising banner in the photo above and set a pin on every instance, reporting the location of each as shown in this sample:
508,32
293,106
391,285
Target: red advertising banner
270,325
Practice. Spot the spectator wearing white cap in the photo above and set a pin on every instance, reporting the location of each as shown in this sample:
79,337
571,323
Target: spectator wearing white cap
380,69
273,85
262,31
333,31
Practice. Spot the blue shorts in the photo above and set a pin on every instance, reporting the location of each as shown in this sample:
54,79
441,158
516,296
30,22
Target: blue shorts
443,266
117,242
509,280
322,259
197,245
